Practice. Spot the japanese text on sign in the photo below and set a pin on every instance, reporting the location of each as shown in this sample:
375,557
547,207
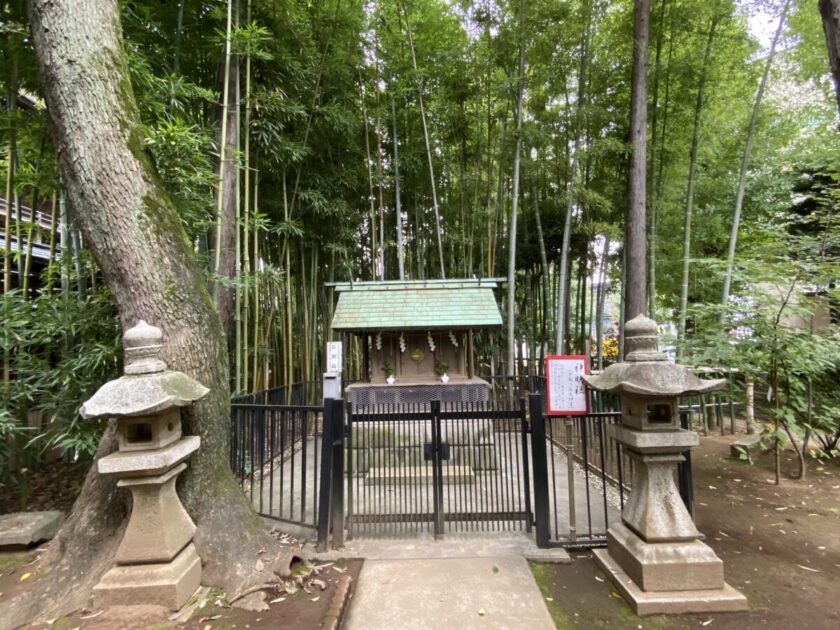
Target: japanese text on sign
566,389
334,356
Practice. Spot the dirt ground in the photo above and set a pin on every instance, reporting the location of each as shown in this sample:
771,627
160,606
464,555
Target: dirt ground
780,546
305,609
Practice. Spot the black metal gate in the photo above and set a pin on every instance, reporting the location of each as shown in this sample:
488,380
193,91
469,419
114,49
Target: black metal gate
275,453
437,468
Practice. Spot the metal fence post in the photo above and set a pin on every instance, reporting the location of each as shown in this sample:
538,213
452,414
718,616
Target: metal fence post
337,503
437,470
325,482
541,511
526,476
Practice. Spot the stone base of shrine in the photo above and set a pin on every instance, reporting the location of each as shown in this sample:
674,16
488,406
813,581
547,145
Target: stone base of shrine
169,584
724,599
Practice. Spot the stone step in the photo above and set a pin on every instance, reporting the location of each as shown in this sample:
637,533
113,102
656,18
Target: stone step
23,529
748,443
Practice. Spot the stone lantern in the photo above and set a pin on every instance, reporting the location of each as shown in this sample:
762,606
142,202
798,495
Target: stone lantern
156,560
654,555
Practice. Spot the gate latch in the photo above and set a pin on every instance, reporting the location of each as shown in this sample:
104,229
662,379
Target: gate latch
429,451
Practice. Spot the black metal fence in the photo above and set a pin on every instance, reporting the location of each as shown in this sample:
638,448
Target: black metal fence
575,508
587,473
397,469
302,393
275,451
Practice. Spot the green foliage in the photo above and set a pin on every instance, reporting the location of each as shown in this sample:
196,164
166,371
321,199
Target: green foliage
323,79
62,348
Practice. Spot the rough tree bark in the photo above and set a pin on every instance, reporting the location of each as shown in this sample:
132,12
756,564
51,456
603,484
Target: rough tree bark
830,12
635,302
146,259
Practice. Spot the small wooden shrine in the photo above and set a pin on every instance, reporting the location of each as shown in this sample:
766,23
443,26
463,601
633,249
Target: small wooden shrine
417,338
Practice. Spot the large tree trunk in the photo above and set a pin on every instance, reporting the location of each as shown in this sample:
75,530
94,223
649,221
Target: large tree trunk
654,172
135,234
830,12
635,302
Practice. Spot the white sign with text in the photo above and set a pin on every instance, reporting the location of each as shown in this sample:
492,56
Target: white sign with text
564,381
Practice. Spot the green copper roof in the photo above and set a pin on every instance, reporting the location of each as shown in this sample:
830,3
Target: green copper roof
416,305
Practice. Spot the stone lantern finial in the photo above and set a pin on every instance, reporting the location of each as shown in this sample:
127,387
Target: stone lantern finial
640,340
142,344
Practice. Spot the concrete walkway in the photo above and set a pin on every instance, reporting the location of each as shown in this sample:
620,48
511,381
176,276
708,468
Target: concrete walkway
459,583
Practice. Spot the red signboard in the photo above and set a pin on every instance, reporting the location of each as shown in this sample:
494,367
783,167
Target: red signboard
565,389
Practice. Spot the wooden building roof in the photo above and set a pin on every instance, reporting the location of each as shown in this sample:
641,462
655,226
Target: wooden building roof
416,305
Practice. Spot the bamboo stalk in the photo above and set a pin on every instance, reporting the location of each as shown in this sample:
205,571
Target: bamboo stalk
435,206
222,150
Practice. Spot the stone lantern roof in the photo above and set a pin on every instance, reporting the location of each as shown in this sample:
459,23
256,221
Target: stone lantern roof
148,387
646,371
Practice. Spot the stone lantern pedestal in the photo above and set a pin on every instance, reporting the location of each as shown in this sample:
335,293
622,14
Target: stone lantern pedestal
157,562
654,556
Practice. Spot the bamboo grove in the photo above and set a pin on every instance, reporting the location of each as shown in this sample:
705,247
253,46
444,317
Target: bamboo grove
312,142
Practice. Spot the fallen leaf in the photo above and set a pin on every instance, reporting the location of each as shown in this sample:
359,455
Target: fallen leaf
706,623
809,569
259,565
278,599
25,576
91,616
